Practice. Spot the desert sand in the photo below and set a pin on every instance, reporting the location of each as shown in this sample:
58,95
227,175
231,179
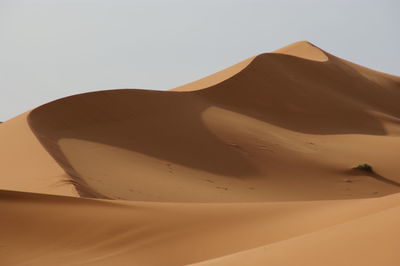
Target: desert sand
252,165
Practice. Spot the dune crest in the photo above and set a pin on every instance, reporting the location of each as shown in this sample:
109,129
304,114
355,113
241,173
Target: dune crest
215,78
303,49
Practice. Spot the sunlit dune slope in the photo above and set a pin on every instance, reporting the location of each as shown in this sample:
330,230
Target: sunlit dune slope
45,230
367,241
25,164
286,126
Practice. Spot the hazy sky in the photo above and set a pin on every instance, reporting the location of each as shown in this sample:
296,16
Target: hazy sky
54,48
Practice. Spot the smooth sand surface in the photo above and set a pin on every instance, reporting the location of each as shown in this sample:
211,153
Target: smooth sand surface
366,241
249,166
57,230
25,165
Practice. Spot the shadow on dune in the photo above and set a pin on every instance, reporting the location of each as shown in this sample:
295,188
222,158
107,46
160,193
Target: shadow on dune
165,125
384,179
357,172
307,96
290,92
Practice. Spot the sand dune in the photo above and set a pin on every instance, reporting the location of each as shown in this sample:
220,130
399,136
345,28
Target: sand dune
122,232
251,165
25,164
370,240
239,140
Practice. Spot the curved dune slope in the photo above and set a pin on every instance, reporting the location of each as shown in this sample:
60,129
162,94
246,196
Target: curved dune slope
25,165
367,241
285,127
76,231
215,78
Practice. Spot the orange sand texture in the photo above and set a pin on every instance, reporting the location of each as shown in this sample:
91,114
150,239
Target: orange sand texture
251,165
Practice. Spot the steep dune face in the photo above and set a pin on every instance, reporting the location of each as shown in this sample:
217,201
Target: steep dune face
308,96
122,140
280,124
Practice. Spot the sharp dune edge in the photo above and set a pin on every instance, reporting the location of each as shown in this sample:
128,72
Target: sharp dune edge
251,165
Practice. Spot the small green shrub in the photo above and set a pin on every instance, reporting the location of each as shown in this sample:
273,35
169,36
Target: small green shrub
365,167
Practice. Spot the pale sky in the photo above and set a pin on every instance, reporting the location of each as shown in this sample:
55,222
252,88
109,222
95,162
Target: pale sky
54,48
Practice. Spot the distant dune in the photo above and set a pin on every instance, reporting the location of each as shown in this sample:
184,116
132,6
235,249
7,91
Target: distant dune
252,165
